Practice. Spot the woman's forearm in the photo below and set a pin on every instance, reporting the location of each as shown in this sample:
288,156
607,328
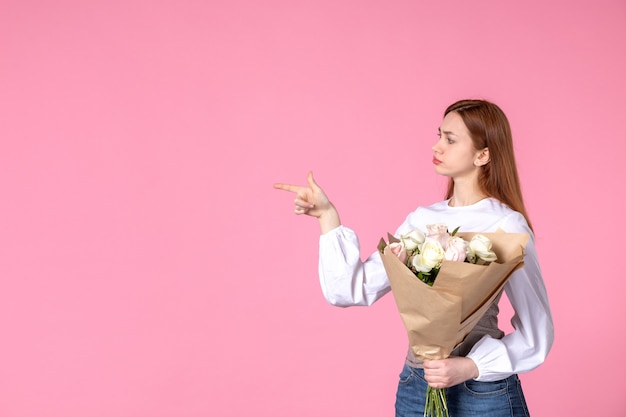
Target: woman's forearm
329,219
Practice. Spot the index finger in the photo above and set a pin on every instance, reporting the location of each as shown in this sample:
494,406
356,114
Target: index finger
287,187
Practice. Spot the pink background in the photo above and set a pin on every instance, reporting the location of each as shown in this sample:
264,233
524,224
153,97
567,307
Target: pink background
149,268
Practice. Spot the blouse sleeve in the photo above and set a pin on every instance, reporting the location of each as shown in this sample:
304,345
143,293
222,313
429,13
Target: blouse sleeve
528,345
345,279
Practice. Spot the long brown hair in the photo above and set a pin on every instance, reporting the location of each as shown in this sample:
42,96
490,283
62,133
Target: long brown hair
489,128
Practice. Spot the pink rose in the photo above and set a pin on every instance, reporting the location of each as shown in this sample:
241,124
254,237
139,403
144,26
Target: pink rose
457,249
438,232
398,249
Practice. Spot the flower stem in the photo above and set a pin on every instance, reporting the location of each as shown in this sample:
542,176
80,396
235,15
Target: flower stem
436,403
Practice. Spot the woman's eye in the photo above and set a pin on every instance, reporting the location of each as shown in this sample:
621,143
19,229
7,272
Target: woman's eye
450,141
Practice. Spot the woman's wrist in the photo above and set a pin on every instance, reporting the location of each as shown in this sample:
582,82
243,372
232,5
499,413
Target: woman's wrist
329,219
472,369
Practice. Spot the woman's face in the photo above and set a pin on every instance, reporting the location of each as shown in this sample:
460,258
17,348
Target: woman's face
454,153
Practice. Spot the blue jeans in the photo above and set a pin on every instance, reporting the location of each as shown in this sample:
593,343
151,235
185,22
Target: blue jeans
502,398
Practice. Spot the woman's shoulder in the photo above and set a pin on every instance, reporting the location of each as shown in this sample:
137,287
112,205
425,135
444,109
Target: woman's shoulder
498,207
511,220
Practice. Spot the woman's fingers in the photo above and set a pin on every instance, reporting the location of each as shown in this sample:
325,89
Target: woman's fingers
287,187
448,372
299,188
303,201
311,181
309,199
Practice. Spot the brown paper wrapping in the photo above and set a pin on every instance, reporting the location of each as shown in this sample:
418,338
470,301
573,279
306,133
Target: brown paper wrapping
438,318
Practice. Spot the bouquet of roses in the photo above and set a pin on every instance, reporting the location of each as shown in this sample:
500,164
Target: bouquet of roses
423,254
460,275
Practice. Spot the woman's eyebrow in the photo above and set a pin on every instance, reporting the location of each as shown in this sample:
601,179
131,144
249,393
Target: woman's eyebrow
447,132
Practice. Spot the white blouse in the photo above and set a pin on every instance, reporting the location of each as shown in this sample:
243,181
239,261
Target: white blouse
346,280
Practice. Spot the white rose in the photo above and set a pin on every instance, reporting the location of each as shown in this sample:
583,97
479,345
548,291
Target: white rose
412,240
479,250
430,256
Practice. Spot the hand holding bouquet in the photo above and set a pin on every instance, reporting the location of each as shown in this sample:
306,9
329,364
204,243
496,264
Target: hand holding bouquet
459,276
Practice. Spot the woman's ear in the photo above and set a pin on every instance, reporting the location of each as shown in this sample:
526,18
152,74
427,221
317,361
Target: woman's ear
482,158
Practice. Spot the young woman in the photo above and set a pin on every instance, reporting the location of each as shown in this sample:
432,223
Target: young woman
475,151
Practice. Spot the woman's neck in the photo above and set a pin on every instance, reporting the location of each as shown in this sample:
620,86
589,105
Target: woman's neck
464,196
456,202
